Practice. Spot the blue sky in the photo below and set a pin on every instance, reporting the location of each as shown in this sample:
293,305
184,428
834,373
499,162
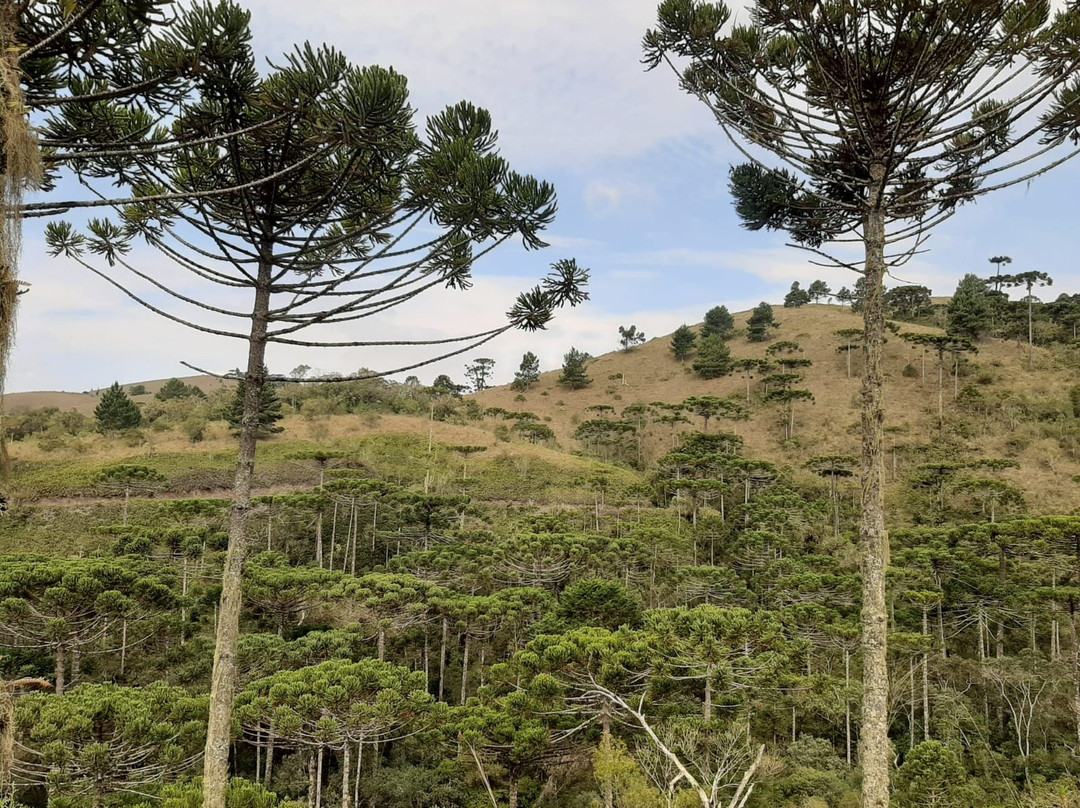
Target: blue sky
640,169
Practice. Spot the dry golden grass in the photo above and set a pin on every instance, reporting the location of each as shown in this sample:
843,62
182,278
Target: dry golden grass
830,425
85,403
649,373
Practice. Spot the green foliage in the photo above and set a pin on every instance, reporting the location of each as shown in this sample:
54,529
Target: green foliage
174,389
932,774
268,414
338,701
630,337
683,340
713,358
479,373
528,373
240,794
761,322
818,291
969,311
104,739
600,603
116,412
718,322
128,476
908,302
573,375
796,297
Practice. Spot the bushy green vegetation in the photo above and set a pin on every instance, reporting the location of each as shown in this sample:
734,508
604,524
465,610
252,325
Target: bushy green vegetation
458,639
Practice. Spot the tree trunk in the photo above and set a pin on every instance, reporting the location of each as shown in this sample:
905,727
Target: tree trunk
223,678
465,669
875,752
708,693
59,671
847,704
269,754
442,657
76,665
333,536
318,541
346,764
926,677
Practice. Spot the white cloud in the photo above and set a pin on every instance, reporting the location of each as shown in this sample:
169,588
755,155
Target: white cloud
563,79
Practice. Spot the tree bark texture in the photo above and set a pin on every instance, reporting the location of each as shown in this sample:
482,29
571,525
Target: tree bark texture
223,678
875,753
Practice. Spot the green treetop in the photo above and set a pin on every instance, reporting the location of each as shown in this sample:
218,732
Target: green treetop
528,373
683,340
760,323
718,321
573,375
116,412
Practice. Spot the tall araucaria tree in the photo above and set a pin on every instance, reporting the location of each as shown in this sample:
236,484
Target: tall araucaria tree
871,121
364,214
84,87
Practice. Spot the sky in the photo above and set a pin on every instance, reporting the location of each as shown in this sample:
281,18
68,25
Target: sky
641,174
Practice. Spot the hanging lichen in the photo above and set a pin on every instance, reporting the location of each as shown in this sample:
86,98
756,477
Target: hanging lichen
21,171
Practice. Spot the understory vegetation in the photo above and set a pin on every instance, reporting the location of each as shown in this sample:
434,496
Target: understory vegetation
470,617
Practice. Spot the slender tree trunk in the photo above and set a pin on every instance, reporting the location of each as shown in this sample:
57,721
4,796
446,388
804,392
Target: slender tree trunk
605,725
123,646
926,677
442,657
708,693
333,536
269,754
318,541
465,669
847,704
58,681
875,752
223,678
319,777
941,390
311,780
359,768
346,765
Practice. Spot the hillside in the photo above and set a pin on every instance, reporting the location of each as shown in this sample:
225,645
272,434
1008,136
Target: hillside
1007,410
829,425
418,569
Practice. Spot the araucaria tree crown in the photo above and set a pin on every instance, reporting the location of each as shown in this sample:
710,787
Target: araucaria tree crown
870,121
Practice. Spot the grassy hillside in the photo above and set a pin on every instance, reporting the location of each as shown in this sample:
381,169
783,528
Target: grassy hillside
1011,411
403,533
1004,410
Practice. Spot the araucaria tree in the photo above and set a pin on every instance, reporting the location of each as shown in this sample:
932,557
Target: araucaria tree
528,372
364,213
479,373
630,337
871,121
